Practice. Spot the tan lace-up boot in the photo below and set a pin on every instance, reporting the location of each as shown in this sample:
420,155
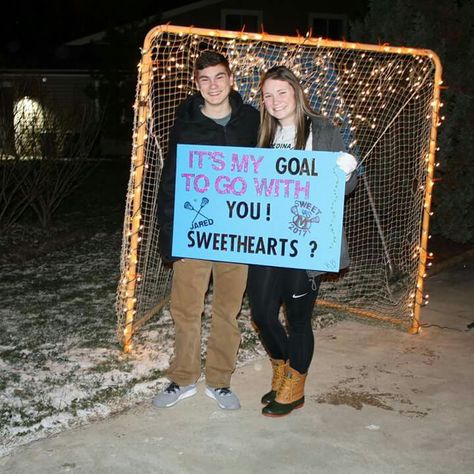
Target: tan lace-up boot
289,396
279,368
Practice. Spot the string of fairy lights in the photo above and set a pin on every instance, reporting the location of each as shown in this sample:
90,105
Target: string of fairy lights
368,91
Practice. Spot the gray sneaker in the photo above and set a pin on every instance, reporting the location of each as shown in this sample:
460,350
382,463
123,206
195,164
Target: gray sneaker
172,394
224,397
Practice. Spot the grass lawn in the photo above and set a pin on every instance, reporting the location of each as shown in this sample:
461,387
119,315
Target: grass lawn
60,361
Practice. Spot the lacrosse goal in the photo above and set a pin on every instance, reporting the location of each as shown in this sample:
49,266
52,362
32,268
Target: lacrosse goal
385,100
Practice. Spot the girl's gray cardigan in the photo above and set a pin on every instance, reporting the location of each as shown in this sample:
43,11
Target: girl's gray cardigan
327,137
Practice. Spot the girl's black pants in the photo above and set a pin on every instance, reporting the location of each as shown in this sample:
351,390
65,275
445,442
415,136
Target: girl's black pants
270,287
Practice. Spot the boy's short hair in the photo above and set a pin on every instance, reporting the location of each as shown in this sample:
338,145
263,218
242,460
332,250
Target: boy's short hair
210,58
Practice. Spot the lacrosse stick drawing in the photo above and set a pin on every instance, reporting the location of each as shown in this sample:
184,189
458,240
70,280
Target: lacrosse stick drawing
189,207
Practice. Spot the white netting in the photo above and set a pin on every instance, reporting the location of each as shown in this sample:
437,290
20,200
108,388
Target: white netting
382,100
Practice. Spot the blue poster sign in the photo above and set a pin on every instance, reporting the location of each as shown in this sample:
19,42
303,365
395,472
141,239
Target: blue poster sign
260,206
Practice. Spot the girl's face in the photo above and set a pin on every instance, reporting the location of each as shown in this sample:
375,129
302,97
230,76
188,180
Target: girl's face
279,101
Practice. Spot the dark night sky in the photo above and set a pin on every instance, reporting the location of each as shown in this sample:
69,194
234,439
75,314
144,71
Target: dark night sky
30,27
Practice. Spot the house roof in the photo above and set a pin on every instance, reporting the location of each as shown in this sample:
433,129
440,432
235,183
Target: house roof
188,8
166,15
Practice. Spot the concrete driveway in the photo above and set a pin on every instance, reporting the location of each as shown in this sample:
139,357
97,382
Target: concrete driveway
377,401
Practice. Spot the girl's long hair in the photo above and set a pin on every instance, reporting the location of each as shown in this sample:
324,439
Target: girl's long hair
269,124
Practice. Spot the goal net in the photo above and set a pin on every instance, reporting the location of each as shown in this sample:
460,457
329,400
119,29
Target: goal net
385,100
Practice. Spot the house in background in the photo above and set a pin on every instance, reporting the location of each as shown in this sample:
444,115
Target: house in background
36,103
98,71
322,18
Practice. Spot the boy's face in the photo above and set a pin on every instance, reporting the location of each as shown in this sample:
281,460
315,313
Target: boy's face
215,84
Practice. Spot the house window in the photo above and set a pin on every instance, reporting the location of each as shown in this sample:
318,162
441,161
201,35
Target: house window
236,20
327,25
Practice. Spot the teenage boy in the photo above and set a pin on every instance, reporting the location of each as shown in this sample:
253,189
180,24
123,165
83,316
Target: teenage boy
216,115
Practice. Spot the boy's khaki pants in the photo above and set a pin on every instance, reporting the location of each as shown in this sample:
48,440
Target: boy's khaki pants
189,286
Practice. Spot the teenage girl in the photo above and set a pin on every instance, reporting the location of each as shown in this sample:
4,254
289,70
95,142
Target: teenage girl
287,121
